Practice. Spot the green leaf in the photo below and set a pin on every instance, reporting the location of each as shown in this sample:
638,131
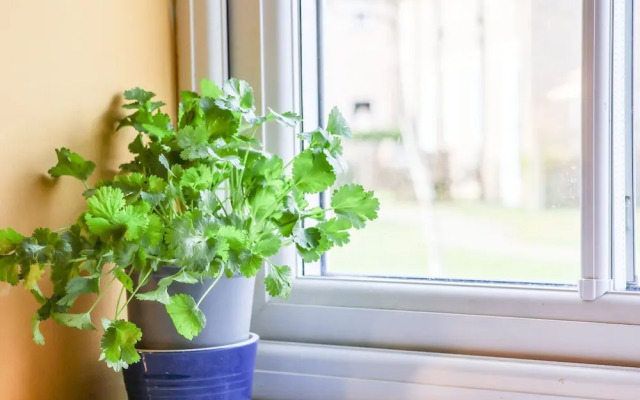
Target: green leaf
124,279
210,89
190,245
33,276
262,202
194,143
35,328
77,286
278,281
9,270
307,238
71,164
287,222
118,343
313,254
337,125
106,202
159,294
9,239
154,233
159,127
336,230
135,219
312,173
239,95
268,246
139,95
288,118
186,316
80,321
220,122
353,203
250,264
197,178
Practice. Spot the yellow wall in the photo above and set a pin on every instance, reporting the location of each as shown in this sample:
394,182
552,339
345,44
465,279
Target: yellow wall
63,65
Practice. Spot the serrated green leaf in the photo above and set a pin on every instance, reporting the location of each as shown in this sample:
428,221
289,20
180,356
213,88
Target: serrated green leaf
159,294
267,246
336,230
9,240
194,143
197,178
262,202
32,277
278,281
139,95
210,89
9,270
187,240
287,222
186,316
288,118
71,164
152,237
79,321
313,254
106,203
312,173
118,343
250,264
35,328
77,286
353,203
124,279
135,219
337,125
307,238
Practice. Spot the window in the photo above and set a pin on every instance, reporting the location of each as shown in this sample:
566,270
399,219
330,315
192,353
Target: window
472,138
269,45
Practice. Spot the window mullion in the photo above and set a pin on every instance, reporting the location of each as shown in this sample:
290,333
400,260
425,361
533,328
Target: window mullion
622,145
596,150
201,36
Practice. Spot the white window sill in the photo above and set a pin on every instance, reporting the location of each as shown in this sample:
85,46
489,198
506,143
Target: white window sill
304,371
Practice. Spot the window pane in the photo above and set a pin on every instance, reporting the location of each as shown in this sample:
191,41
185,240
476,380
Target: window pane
466,120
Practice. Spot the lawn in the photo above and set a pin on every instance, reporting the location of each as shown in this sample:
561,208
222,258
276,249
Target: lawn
458,240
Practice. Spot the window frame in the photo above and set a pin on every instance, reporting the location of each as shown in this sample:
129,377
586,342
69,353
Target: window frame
474,319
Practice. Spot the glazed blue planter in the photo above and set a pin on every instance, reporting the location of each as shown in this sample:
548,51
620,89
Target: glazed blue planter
215,373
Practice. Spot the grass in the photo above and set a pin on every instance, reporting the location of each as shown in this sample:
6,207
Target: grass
465,240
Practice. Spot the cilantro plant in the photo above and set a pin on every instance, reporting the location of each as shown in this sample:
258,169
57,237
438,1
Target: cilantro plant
202,196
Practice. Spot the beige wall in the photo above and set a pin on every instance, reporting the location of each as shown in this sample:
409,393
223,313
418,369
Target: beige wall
63,65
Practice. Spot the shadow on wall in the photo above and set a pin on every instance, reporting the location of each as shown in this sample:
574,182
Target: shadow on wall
62,344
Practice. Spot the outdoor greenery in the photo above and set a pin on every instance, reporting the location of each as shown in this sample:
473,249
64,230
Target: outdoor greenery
470,240
202,196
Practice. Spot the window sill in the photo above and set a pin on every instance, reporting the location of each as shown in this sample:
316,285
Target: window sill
296,371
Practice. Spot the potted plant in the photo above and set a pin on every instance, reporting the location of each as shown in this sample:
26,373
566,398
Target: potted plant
187,224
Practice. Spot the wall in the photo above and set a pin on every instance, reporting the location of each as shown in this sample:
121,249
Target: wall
63,65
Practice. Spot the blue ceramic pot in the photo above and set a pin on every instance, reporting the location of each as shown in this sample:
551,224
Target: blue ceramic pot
215,373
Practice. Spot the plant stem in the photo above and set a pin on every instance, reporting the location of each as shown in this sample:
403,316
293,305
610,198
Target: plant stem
221,204
133,294
122,289
85,185
211,287
102,292
64,228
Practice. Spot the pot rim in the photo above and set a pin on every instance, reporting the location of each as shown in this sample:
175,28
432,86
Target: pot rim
252,339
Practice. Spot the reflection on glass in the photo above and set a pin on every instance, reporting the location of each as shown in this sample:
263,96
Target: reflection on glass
466,116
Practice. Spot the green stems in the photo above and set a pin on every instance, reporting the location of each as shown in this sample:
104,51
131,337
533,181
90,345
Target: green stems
140,282
211,286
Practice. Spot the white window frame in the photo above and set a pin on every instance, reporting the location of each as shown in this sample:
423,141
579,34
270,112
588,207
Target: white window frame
589,324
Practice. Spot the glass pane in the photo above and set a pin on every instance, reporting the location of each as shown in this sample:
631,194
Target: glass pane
466,116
